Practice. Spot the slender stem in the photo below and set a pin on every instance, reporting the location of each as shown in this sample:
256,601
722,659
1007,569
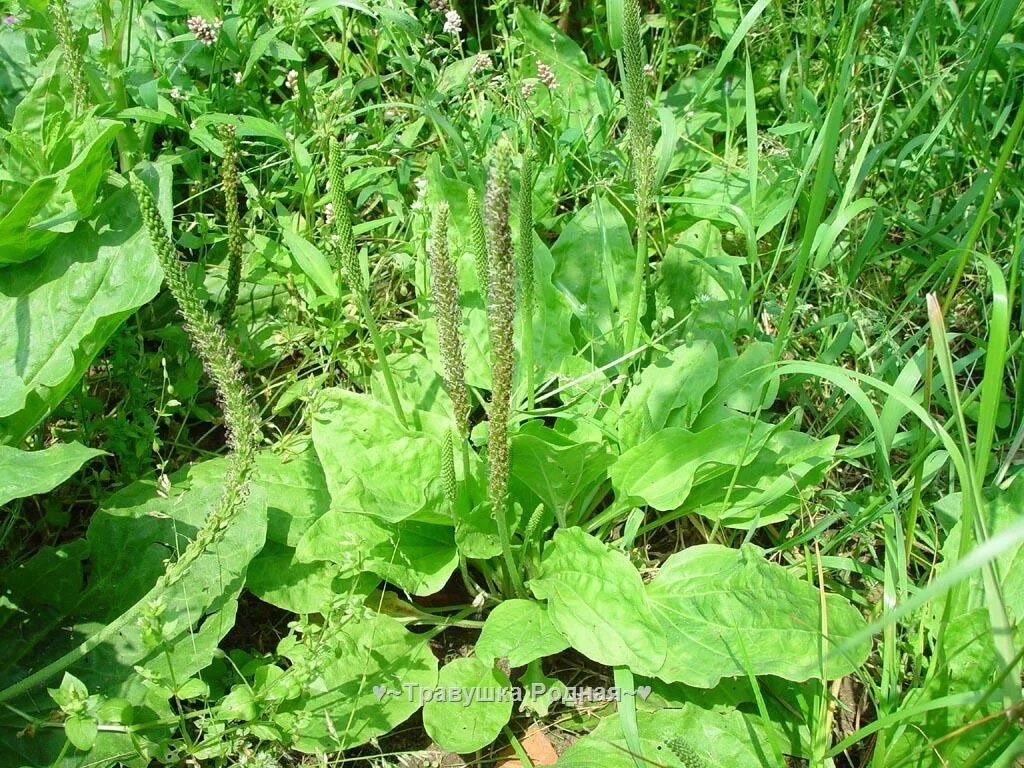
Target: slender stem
528,356
79,651
639,273
515,578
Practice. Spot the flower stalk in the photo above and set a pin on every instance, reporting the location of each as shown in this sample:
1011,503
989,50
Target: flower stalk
445,289
501,308
241,420
524,262
230,180
73,59
641,151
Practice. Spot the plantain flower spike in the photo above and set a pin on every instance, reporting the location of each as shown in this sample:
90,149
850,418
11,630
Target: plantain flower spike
236,399
638,114
524,245
501,309
445,288
229,177
344,239
73,59
478,240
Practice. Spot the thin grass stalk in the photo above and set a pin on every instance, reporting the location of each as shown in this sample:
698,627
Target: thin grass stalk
241,420
827,143
344,245
1009,144
501,309
524,261
973,527
233,222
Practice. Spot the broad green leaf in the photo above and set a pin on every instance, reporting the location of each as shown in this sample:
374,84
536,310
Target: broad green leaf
552,315
312,262
475,702
71,695
540,692
729,613
296,490
669,392
59,568
357,693
596,600
277,577
477,345
259,47
727,17
519,631
372,463
81,731
25,473
55,317
556,468
745,383
247,126
476,533
289,476
130,546
53,167
699,285
400,20
594,269
662,469
418,557
420,388
716,191
42,113
318,7
130,540
49,747
769,489
689,737
615,22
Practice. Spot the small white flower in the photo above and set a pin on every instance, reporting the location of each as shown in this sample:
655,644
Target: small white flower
205,31
421,194
452,23
238,78
527,88
649,70
176,94
482,62
329,214
292,82
547,75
